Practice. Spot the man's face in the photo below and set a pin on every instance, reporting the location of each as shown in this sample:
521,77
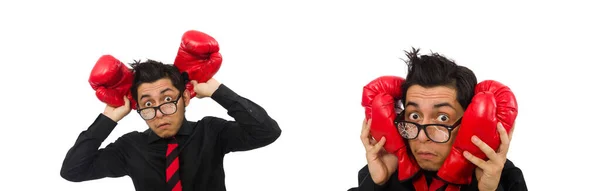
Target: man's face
159,92
435,105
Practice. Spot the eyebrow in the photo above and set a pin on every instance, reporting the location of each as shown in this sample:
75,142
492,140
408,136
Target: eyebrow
161,92
445,104
412,103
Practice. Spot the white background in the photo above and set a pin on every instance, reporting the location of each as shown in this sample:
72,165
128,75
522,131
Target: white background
305,62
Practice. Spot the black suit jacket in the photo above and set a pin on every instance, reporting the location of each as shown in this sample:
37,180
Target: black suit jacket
512,179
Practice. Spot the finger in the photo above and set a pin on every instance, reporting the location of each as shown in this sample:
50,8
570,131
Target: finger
475,160
489,152
365,128
511,132
390,161
372,140
504,140
194,82
366,142
364,125
364,135
125,99
379,145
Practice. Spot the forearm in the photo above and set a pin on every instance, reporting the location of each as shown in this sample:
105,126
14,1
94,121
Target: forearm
83,160
253,127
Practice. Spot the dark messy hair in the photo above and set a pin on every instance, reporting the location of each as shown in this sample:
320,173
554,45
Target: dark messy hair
436,70
151,71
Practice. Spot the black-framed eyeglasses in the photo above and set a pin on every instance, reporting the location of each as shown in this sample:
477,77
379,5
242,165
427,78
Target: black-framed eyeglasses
438,133
167,108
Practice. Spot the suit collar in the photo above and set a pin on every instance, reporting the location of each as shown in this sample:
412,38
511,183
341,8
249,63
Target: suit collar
185,130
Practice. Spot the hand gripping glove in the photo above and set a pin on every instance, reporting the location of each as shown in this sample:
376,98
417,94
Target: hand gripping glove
379,98
199,56
111,80
493,102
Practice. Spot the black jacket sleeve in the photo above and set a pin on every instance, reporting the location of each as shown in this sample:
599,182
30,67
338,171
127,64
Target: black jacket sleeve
84,161
365,182
512,178
252,128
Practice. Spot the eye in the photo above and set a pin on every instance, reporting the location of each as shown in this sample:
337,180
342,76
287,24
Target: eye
413,116
168,99
148,104
443,118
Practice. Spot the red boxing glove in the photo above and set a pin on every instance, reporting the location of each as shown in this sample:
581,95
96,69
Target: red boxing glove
389,85
112,80
379,98
493,102
199,56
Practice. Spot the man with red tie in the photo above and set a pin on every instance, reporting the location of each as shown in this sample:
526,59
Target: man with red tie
438,130
174,154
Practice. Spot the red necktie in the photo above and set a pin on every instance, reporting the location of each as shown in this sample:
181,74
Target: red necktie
173,179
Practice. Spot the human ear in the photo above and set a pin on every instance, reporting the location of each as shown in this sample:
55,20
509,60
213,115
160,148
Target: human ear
186,97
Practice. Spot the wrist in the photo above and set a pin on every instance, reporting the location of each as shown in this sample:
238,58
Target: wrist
101,127
112,117
382,184
380,180
214,87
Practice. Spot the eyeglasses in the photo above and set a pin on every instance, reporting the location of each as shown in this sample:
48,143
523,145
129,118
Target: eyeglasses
167,108
435,132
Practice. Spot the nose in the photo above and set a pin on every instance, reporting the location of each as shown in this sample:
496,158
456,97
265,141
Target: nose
422,137
158,114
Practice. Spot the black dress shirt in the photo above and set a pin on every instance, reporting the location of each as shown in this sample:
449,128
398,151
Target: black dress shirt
203,144
511,179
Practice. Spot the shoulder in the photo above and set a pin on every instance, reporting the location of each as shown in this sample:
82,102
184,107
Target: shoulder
134,134
510,166
133,137
205,125
210,121
363,173
512,177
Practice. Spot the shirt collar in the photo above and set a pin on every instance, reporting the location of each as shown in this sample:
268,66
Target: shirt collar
186,129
